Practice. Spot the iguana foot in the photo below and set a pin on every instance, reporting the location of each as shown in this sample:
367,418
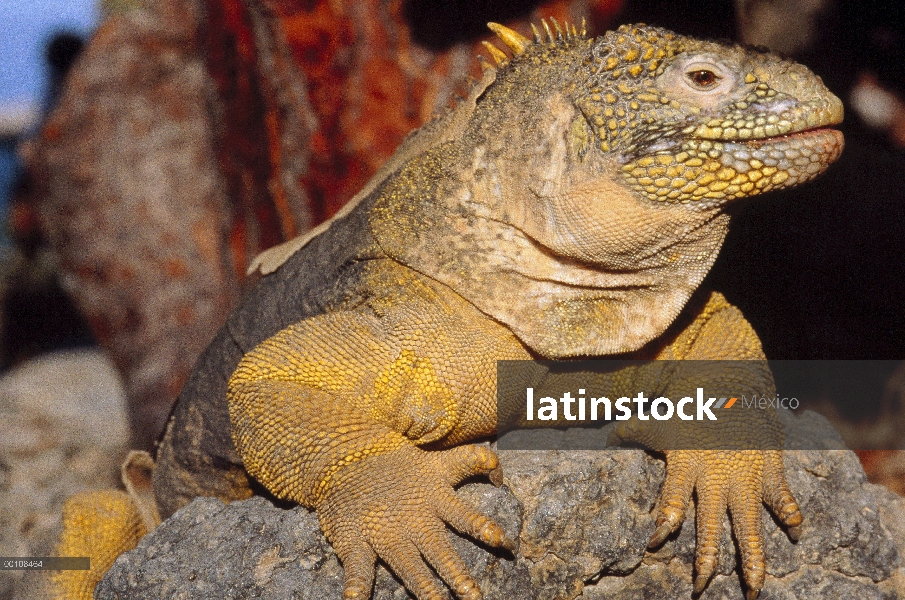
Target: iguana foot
739,480
394,506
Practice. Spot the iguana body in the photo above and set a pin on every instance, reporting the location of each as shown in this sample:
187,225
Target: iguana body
570,207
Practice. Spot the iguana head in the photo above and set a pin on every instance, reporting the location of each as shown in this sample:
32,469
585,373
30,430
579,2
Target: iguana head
581,203
703,121
689,120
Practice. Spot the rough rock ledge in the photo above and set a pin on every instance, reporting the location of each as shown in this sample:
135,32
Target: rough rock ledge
582,520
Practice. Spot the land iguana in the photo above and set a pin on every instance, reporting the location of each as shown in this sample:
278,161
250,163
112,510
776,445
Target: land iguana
569,206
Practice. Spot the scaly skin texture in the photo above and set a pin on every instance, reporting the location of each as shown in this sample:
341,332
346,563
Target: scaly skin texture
570,206
101,525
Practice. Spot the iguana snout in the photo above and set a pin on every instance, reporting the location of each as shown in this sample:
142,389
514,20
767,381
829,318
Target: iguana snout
707,122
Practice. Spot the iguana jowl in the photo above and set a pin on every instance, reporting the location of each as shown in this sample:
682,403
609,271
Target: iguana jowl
570,206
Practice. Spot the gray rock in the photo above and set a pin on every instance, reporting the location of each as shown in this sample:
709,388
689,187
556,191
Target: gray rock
582,519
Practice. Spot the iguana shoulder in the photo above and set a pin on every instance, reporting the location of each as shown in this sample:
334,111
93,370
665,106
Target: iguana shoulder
437,131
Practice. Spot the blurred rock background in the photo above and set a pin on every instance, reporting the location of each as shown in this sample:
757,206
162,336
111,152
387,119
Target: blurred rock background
63,430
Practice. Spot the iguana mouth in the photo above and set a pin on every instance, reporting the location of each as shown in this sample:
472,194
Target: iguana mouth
750,120
803,134
716,170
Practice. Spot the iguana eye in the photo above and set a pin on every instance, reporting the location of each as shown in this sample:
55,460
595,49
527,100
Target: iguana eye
703,78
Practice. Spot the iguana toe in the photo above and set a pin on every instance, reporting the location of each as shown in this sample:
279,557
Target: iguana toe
463,517
674,498
711,511
459,464
438,550
405,559
745,510
462,462
778,496
358,560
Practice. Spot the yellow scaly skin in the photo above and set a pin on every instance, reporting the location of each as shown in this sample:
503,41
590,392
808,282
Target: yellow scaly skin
570,206
101,525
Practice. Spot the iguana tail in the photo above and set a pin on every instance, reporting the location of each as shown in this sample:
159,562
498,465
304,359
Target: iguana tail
104,524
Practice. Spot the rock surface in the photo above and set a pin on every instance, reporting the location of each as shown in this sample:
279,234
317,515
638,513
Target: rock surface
582,519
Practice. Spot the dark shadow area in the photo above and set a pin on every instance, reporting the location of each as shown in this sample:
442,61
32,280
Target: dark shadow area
39,317
708,19
818,269
439,24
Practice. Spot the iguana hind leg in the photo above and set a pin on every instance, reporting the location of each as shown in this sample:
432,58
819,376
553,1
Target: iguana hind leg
103,524
100,525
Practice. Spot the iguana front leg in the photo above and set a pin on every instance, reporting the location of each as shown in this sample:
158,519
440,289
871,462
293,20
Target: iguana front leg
734,465
329,413
738,480
376,494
